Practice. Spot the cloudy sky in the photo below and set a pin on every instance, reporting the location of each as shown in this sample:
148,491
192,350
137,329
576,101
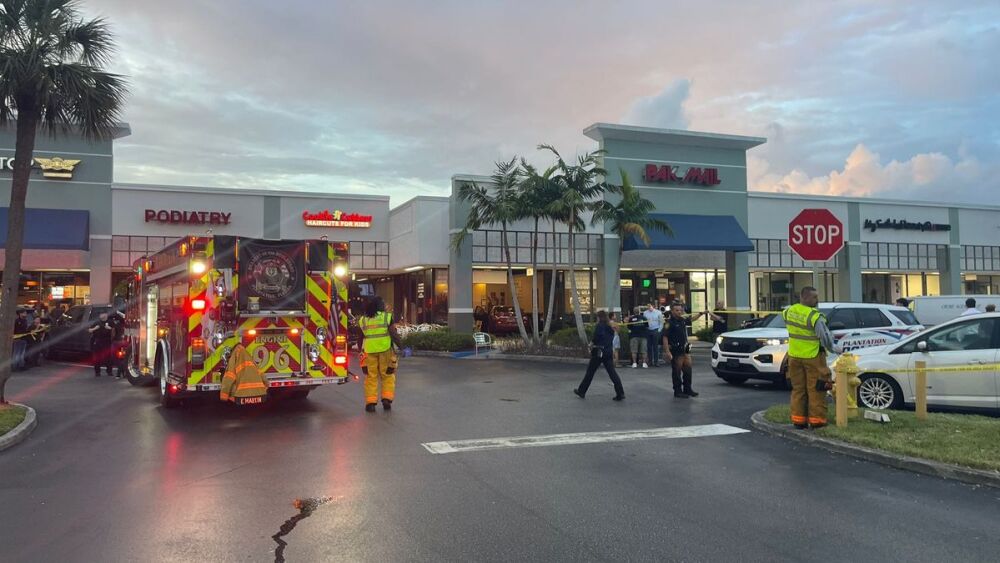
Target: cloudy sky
889,98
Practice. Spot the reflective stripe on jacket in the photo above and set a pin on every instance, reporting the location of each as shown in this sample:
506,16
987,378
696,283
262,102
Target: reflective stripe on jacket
801,323
376,331
242,378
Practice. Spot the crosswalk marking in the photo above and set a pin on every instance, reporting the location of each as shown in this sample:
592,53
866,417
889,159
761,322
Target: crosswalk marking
457,446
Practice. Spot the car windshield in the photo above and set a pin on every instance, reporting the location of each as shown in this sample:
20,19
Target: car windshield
773,321
906,317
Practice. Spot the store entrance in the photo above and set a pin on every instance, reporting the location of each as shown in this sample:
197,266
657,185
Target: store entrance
888,287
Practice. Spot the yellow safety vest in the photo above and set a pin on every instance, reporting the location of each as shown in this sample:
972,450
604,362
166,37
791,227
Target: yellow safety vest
376,330
801,322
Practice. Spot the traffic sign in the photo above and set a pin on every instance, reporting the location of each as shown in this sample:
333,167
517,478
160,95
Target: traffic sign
815,235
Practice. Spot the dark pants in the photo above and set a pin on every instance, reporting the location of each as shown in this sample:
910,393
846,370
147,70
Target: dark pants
102,354
681,372
653,347
608,362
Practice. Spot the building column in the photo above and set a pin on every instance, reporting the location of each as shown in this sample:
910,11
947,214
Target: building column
949,259
609,275
849,283
100,269
737,280
460,286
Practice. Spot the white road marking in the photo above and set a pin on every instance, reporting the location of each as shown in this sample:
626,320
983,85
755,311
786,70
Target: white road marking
77,364
457,446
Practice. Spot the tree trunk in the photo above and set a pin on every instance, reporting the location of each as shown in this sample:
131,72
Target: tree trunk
24,149
534,284
577,315
513,289
552,286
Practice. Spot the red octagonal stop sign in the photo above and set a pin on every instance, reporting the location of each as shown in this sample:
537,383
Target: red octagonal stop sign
816,235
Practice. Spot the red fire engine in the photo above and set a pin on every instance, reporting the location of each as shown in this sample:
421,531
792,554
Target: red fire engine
193,302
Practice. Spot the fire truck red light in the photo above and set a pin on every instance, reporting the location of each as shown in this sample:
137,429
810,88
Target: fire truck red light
340,360
198,304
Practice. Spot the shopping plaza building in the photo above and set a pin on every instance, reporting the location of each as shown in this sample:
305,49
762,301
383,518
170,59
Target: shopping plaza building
84,232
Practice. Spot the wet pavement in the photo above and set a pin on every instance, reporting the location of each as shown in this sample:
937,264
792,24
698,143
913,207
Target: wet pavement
109,475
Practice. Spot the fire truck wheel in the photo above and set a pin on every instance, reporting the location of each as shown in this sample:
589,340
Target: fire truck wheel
166,400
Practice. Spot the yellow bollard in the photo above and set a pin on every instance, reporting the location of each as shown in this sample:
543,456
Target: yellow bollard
921,385
845,369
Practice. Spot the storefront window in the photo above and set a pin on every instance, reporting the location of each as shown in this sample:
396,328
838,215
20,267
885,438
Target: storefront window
53,288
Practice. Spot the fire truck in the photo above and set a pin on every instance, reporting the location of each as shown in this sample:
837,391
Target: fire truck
191,303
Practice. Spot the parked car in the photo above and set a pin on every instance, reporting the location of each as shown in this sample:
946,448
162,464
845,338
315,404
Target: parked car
759,353
936,309
966,342
69,335
502,320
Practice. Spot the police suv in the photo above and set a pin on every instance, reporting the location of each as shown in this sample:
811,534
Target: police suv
759,352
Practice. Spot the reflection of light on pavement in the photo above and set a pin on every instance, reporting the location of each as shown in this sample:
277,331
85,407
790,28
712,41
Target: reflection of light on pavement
62,374
169,473
342,476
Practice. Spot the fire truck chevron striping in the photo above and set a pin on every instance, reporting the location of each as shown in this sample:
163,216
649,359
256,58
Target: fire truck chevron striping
193,302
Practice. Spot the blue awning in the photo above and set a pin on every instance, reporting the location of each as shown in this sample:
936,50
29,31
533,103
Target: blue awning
695,232
51,229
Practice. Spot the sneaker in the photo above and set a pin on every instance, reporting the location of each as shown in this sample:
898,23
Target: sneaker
644,365
634,365
691,393
578,393
618,398
370,407
679,395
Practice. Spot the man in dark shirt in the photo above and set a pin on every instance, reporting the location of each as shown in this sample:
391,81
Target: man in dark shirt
101,338
677,350
637,332
21,343
720,321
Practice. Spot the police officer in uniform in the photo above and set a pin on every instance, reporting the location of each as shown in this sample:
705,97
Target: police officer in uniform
808,340
677,350
101,339
380,334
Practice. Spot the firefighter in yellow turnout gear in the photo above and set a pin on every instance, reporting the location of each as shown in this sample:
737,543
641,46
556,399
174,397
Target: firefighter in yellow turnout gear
380,335
808,340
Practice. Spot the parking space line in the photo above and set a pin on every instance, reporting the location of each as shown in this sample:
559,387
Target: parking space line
458,446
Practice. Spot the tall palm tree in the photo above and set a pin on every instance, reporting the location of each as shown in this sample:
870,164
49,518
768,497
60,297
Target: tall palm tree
500,205
51,76
537,191
630,216
581,187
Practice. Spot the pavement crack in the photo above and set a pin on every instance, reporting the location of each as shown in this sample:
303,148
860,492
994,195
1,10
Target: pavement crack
305,507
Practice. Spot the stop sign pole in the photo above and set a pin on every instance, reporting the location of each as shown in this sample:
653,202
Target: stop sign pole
815,235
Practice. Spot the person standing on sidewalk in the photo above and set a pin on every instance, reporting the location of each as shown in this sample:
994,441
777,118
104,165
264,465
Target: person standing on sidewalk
637,332
808,340
601,353
654,325
677,350
101,338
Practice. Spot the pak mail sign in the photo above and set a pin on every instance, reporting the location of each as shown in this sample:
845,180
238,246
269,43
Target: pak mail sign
815,235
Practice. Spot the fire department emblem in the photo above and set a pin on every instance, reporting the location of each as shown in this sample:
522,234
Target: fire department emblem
273,275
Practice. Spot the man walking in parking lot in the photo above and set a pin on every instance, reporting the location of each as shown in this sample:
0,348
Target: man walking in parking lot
808,340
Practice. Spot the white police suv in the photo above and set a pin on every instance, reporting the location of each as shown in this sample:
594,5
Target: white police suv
759,352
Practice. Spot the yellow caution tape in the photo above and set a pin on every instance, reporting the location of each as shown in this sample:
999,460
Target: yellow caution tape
937,369
31,333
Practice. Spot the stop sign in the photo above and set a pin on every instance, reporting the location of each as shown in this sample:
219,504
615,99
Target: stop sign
815,235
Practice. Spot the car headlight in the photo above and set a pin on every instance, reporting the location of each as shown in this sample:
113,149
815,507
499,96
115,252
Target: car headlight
772,341
718,340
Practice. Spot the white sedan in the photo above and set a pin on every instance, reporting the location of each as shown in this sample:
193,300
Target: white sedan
970,344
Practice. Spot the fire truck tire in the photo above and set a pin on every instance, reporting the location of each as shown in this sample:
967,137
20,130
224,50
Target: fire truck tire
166,400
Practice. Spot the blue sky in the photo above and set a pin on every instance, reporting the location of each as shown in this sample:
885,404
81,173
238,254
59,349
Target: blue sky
888,99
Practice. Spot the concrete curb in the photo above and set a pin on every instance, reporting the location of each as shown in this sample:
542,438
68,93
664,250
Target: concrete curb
21,431
917,465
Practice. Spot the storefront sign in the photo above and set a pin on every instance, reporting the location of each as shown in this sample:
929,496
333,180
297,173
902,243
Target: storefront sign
57,292
420,291
904,225
175,217
668,174
338,218
55,167
625,283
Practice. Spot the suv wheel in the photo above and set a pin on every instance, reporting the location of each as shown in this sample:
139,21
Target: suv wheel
878,391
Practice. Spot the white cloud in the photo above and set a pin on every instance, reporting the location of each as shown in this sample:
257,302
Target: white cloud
665,109
927,175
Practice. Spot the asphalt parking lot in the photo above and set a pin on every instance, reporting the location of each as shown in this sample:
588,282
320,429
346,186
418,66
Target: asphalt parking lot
110,475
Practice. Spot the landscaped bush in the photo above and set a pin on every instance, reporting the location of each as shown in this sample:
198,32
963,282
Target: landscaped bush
568,338
705,334
439,340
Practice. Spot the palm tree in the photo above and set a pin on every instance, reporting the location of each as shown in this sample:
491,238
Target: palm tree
580,190
630,216
51,76
537,191
501,206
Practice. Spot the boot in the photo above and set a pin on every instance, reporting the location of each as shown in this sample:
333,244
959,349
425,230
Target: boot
690,392
680,395
370,407
387,404
578,393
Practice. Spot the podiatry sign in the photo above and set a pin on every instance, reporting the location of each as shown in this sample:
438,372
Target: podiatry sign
177,217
